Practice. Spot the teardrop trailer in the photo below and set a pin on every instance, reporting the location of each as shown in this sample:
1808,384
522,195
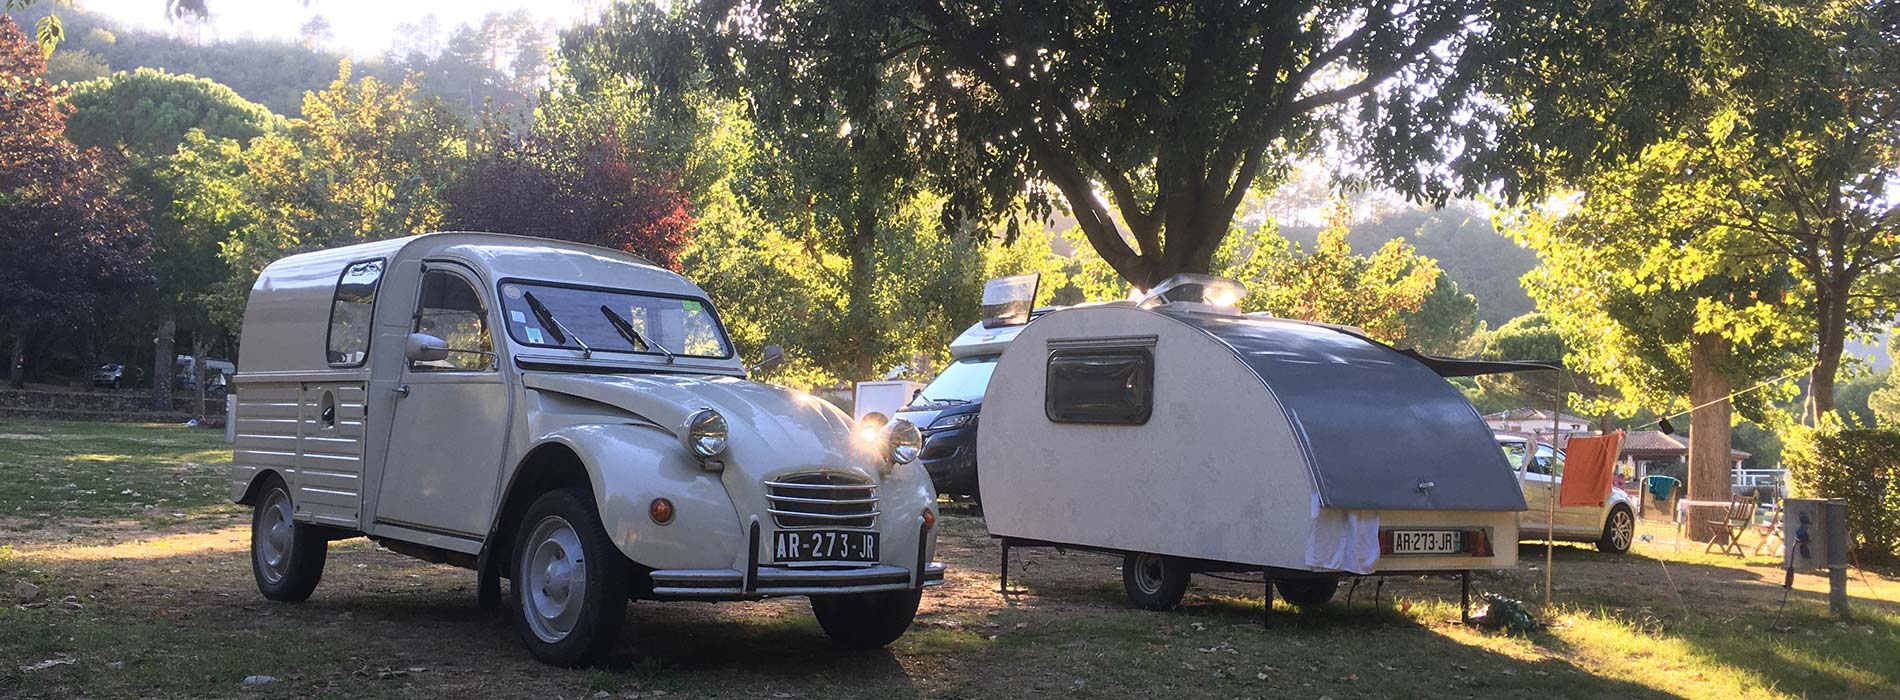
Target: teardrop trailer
1187,437
568,417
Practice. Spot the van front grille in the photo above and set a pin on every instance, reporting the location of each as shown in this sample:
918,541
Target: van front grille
822,499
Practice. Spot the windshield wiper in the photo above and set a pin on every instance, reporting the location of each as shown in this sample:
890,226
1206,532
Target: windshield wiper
633,335
946,401
561,333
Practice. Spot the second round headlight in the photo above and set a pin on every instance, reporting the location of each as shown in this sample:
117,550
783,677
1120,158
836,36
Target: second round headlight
705,433
902,441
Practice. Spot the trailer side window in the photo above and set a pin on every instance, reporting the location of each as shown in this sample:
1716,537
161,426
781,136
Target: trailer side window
350,313
1111,386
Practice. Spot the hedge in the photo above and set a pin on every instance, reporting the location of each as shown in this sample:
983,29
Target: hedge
1859,465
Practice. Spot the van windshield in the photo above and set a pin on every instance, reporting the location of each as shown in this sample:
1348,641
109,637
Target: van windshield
683,326
962,382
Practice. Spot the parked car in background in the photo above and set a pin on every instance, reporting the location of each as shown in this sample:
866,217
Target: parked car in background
217,372
947,408
1611,526
568,417
110,374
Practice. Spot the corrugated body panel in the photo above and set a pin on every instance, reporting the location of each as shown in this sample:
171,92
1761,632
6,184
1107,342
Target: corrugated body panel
266,432
330,453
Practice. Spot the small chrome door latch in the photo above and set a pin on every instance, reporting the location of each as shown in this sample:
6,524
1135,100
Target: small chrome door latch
402,391
1426,486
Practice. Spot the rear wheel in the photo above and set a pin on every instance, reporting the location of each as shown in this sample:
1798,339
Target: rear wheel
1153,581
1307,592
866,620
1619,530
570,584
286,556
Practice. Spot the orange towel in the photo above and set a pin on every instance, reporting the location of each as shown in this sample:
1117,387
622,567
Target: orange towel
1589,464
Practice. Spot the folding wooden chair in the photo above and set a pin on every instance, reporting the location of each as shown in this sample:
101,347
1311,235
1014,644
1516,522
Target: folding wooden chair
1739,516
1770,532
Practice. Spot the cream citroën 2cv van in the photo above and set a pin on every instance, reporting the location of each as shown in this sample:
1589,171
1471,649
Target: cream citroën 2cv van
570,418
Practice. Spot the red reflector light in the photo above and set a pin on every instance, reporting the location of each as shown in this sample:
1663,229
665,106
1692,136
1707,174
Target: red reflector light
661,510
930,519
1477,543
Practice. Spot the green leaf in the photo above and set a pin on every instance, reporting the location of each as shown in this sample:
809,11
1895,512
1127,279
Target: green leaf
49,32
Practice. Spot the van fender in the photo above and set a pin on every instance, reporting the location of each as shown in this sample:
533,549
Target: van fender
628,466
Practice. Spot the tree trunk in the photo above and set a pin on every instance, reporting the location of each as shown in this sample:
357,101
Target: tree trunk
16,374
198,349
88,356
164,355
858,296
1830,315
1709,433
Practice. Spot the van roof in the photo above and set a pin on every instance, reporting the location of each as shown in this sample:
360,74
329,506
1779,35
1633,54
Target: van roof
286,320
979,340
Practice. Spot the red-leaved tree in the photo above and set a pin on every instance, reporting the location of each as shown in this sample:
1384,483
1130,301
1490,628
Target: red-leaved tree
562,183
71,239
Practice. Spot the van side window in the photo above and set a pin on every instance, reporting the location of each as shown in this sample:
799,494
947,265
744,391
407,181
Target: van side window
350,313
450,309
1112,386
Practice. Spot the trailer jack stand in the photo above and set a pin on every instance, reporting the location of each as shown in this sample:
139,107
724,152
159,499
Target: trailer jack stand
1464,597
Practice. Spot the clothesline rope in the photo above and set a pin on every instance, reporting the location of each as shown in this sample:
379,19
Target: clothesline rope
1731,395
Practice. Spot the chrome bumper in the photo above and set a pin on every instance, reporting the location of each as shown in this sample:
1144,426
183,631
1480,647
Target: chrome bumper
732,584
760,580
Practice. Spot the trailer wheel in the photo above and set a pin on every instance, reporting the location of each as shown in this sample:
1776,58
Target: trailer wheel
1153,581
286,555
1307,592
570,583
866,620
1619,530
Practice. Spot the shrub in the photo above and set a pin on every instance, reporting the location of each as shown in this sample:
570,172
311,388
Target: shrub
1856,464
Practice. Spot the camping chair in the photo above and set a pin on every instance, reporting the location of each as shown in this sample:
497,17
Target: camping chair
1769,532
1739,516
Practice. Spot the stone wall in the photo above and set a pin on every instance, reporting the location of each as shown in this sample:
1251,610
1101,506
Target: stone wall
118,407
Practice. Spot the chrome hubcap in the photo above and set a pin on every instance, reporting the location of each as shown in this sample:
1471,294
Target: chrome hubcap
1621,529
270,536
1148,573
554,579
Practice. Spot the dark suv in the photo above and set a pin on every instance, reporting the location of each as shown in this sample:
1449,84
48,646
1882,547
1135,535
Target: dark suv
946,410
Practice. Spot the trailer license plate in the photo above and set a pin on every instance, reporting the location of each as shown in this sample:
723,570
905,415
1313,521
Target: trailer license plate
1426,541
823,545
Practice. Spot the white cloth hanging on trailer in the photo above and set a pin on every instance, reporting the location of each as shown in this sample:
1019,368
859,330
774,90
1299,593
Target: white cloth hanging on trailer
1343,540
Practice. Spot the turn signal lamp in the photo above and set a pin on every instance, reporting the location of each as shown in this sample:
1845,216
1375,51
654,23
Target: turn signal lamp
661,510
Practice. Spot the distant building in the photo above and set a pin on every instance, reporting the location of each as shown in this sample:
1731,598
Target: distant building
1537,421
1655,451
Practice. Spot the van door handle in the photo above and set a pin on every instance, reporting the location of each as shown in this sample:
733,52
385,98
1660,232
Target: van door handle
402,392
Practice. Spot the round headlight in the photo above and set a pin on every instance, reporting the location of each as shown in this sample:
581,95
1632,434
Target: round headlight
705,433
902,441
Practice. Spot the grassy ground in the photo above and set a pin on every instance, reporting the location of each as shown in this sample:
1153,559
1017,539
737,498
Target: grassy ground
139,603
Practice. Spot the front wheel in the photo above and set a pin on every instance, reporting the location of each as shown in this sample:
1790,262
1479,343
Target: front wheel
286,556
1153,581
570,583
1619,530
866,620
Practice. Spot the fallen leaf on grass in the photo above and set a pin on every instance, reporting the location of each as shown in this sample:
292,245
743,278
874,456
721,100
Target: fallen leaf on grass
49,663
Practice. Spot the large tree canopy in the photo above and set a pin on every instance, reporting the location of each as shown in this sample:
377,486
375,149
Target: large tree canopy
146,112
1772,221
1172,111
70,238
